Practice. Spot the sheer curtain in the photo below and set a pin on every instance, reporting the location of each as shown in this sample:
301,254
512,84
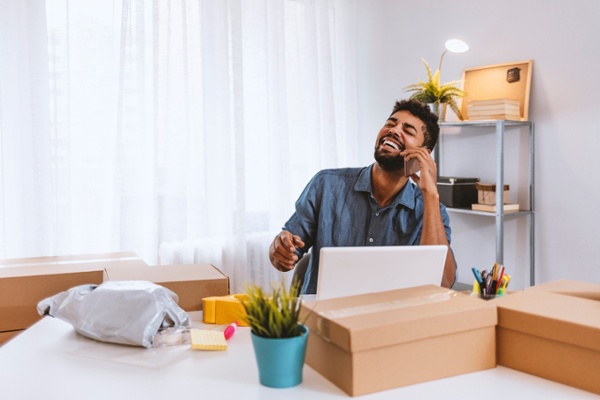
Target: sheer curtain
26,196
181,130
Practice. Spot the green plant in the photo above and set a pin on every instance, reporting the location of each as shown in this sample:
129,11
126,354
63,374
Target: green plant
434,92
274,314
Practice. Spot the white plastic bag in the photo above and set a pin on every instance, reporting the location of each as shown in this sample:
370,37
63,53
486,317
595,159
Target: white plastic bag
125,312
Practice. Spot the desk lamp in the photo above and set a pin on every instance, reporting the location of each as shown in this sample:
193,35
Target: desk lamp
454,46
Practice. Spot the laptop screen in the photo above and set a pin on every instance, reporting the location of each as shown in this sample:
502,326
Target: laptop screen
348,271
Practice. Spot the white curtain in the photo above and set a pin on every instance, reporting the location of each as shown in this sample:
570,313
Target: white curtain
189,125
27,226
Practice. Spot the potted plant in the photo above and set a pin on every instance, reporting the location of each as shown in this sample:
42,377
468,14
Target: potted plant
278,337
435,94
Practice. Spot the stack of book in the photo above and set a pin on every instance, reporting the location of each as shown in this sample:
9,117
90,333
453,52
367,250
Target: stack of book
494,109
492,207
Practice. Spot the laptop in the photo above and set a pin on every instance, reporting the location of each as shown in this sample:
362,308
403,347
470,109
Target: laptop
348,271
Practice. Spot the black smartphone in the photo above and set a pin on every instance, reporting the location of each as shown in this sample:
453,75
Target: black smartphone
411,166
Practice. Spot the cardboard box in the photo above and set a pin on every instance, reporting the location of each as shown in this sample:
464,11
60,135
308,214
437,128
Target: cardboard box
25,282
552,331
457,192
384,340
570,288
7,336
486,193
191,282
95,260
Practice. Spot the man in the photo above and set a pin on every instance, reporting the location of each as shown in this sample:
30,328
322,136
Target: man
375,205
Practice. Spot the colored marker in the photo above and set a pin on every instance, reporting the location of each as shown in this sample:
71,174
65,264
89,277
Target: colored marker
500,278
484,279
230,330
477,276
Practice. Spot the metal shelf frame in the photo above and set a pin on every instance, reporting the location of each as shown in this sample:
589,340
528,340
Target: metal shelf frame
500,128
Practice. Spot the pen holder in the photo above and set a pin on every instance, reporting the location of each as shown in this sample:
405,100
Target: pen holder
486,296
477,293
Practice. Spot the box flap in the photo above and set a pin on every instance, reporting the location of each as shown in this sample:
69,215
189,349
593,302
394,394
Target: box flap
572,288
191,282
47,269
373,320
567,318
166,273
70,259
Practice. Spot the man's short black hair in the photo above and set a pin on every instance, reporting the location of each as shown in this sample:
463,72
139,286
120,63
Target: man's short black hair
421,111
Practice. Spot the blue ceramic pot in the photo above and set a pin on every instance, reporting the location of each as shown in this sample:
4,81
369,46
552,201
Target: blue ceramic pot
280,361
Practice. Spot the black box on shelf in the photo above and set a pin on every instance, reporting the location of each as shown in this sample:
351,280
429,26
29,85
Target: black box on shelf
457,192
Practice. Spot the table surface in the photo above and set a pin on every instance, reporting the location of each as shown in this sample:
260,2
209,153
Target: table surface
51,361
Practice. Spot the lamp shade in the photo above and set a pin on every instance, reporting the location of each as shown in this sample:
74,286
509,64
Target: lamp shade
456,46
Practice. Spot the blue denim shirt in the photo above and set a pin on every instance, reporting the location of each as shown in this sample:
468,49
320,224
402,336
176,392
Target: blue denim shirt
337,208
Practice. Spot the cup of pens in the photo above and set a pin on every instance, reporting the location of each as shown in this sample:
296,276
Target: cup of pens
490,284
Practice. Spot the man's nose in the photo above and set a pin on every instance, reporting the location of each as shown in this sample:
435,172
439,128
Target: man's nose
396,132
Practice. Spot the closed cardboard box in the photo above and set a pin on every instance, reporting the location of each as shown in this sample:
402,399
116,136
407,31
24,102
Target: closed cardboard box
8,335
552,331
380,341
25,282
191,282
94,260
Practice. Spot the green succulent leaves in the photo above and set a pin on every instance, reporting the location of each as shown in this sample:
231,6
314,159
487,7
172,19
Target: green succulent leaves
434,92
274,314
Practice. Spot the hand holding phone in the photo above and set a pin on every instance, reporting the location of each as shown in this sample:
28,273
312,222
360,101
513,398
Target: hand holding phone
411,166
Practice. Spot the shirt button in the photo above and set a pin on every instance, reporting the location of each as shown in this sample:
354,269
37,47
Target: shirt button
370,240
377,214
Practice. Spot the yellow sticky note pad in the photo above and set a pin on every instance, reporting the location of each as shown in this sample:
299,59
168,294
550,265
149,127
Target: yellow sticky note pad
207,340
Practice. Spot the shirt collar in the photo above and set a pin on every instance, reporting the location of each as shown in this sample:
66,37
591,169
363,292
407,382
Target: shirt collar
406,197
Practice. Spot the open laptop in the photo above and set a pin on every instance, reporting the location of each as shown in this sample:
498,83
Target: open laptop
347,271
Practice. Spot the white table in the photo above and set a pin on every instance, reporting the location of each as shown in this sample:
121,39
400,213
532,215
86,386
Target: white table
51,361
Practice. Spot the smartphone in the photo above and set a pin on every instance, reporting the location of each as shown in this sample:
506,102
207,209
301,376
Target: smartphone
411,166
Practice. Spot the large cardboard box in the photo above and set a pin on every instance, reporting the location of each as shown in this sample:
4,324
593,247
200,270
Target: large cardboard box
94,260
7,336
570,288
25,282
380,341
552,331
191,282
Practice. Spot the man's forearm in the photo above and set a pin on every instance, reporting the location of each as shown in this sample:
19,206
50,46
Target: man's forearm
435,234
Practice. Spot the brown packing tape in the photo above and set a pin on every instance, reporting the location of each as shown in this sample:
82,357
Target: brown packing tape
347,312
327,317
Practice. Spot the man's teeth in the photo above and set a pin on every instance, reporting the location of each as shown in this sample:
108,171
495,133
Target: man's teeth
391,144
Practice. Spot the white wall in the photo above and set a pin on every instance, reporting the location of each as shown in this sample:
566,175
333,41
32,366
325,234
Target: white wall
563,40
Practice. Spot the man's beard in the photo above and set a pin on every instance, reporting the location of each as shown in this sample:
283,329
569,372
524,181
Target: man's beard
389,163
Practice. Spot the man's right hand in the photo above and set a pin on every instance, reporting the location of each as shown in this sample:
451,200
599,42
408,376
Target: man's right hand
282,251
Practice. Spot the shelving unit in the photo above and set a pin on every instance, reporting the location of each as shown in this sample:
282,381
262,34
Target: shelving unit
500,131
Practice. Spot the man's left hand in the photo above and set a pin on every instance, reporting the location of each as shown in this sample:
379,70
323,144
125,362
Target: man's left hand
427,180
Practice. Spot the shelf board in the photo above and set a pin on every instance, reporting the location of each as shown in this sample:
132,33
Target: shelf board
486,213
485,123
